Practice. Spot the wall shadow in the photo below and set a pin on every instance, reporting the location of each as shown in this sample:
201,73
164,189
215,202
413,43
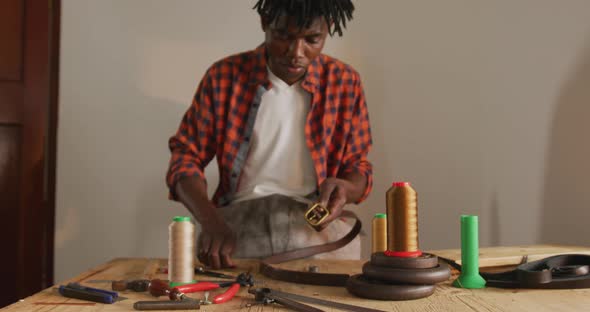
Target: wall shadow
566,205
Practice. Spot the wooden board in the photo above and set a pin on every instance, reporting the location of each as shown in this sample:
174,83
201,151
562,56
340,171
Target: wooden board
445,298
513,255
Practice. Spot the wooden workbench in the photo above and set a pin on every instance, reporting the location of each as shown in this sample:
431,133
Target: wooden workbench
445,298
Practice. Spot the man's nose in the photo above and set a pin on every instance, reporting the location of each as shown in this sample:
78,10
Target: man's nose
296,49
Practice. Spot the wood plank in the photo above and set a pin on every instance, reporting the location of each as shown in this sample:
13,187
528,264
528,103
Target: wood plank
36,234
513,255
445,298
10,141
26,50
11,40
11,102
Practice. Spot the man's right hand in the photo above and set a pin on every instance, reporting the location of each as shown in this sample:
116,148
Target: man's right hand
217,240
216,245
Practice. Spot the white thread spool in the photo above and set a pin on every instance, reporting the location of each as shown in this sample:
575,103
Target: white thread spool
181,251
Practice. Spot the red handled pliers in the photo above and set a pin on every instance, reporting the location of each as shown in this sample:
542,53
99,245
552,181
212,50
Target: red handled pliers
244,279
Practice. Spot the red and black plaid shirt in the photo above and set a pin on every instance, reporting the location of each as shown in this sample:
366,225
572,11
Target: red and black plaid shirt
221,118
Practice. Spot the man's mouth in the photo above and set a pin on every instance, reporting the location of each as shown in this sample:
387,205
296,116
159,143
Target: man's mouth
294,68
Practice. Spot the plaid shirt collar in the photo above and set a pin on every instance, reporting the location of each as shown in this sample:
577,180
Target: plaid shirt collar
259,74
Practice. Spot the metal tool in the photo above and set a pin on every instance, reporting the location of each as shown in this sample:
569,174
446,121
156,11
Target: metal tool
138,285
77,291
318,301
167,305
160,288
201,271
267,295
205,300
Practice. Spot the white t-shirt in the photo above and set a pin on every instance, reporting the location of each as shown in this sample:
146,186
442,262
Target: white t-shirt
279,161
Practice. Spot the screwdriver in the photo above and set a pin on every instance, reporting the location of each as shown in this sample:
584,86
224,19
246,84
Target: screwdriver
135,285
138,285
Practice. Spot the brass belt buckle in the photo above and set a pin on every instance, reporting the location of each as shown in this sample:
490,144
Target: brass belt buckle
316,214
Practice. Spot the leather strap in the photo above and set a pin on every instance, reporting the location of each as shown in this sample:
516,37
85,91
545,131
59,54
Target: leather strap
556,272
312,278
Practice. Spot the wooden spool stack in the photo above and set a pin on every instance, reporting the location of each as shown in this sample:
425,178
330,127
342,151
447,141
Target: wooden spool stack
398,278
402,271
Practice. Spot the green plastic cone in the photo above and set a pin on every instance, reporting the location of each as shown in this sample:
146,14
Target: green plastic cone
469,277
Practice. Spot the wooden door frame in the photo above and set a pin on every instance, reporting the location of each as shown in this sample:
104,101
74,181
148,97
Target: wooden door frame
39,112
54,51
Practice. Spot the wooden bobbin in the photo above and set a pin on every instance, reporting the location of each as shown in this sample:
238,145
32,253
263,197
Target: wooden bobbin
425,261
430,276
360,285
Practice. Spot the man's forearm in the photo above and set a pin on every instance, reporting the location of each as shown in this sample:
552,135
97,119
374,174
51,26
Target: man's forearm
355,186
192,192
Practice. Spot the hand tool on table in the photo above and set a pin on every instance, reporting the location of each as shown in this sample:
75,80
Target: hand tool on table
290,300
138,285
135,285
160,288
77,291
202,271
167,305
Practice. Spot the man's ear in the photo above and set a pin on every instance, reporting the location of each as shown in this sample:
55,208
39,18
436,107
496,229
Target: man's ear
263,23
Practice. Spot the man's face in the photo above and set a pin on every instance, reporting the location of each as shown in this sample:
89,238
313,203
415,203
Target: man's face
291,49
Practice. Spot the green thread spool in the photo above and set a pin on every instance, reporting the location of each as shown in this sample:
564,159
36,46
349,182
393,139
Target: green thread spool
469,277
379,233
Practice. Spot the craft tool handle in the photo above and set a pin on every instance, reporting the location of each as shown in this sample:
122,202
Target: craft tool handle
166,305
227,295
201,286
85,295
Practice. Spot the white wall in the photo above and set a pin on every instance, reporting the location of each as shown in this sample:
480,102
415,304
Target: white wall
480,104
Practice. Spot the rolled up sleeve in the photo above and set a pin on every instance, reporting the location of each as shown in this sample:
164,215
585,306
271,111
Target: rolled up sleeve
359,142
194,144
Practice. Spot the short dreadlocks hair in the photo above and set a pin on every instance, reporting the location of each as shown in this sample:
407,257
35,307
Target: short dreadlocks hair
335,12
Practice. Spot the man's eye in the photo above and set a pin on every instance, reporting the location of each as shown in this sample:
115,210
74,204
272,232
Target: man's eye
313,40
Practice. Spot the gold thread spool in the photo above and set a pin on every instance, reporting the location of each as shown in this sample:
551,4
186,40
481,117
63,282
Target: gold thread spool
379,241
402,221
181,252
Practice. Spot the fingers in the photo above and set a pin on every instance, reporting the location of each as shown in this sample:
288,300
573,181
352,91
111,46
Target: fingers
333,197
214,260
215,250
337,202
204,246
227,249
326,190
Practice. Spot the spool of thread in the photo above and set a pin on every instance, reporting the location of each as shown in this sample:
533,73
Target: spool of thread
470,277
402,221
181,251
379,242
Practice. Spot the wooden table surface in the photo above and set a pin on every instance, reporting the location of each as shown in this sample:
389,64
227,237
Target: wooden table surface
445,298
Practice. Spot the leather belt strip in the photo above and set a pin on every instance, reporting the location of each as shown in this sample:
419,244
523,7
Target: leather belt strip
556,272
312,278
